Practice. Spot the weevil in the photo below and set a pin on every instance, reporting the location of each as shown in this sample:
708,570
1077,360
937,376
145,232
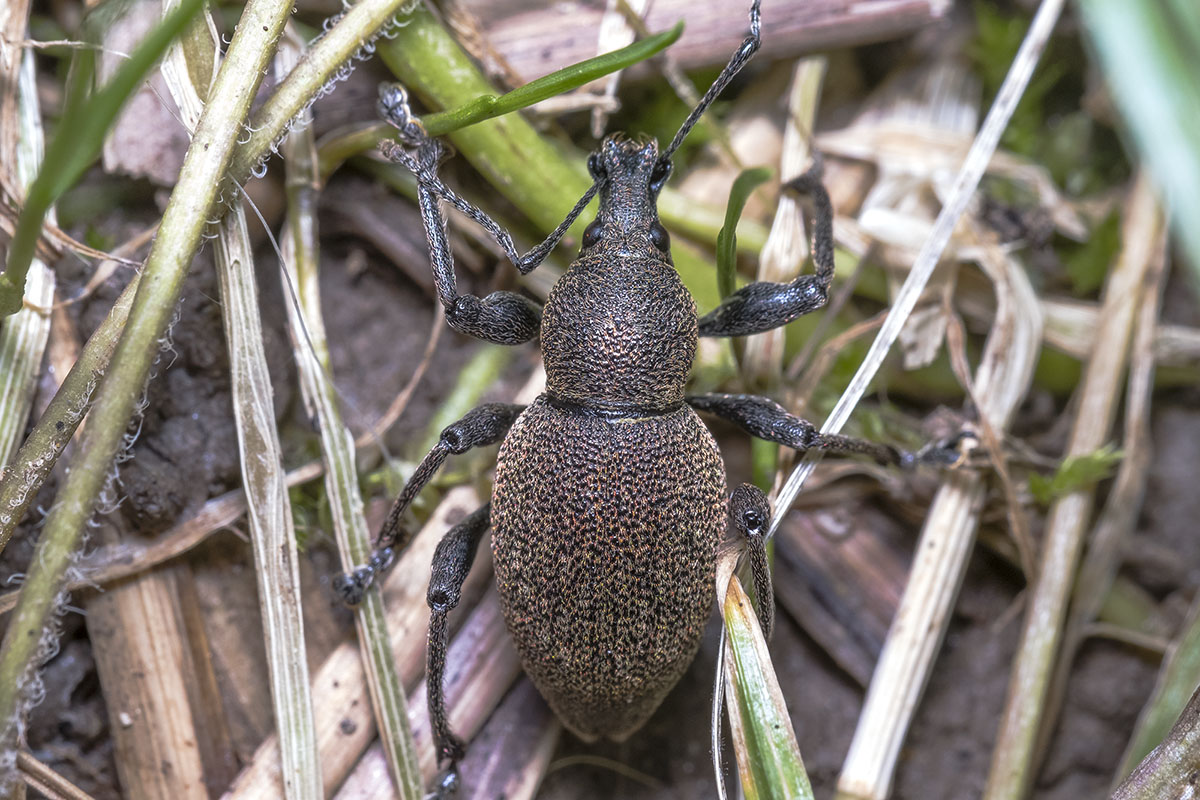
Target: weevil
609,497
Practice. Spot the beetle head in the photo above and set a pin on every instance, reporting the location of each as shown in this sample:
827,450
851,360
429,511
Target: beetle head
629,173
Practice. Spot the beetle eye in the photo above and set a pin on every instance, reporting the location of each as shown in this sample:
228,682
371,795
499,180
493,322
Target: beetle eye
594,166
662,171
592,234
659,237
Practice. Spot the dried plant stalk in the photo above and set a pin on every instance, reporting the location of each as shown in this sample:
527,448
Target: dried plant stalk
187,73
1010,773
484,665
141,652
269,511
23,336
968,178
783,255
311,349
40,777
1119,518
944,547
509,757
535,43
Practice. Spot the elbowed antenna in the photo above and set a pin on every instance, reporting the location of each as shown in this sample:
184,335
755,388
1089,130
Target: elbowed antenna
736,62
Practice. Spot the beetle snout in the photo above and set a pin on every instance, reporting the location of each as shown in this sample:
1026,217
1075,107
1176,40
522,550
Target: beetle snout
623,155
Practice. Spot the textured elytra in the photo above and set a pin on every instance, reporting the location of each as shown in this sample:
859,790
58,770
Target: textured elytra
604,538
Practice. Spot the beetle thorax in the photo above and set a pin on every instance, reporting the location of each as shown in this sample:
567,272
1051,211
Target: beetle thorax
619,333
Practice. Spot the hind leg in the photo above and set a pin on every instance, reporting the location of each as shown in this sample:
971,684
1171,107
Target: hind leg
451,562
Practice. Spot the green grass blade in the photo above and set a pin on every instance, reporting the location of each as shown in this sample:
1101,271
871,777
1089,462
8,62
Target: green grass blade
768,757
1177,679
527,169
1169,771
1147,54
746,182
77,143
564,80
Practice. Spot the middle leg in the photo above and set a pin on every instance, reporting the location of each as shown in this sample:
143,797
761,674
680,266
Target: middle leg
768,420
482,426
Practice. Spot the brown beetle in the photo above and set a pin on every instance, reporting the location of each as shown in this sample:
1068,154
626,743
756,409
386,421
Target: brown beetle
609,497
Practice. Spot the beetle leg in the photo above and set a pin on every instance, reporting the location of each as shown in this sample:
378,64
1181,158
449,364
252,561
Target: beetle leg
484,425
421,155
761,306
451,562
751,516
768,420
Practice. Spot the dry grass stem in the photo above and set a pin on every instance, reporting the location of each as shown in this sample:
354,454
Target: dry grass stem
615,32
311,350
955,204
944,547
1118,520
269,511
485,666
1071,327
511,755
40,777
23,336
1011,770
144,665
535,43
186,72
931,151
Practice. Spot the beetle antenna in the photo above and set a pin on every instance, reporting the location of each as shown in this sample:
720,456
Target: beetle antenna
740,57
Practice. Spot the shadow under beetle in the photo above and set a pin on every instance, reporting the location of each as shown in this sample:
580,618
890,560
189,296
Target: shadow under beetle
609,498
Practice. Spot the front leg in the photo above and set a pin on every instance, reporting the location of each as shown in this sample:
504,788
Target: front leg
501,317
762,306
768,420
